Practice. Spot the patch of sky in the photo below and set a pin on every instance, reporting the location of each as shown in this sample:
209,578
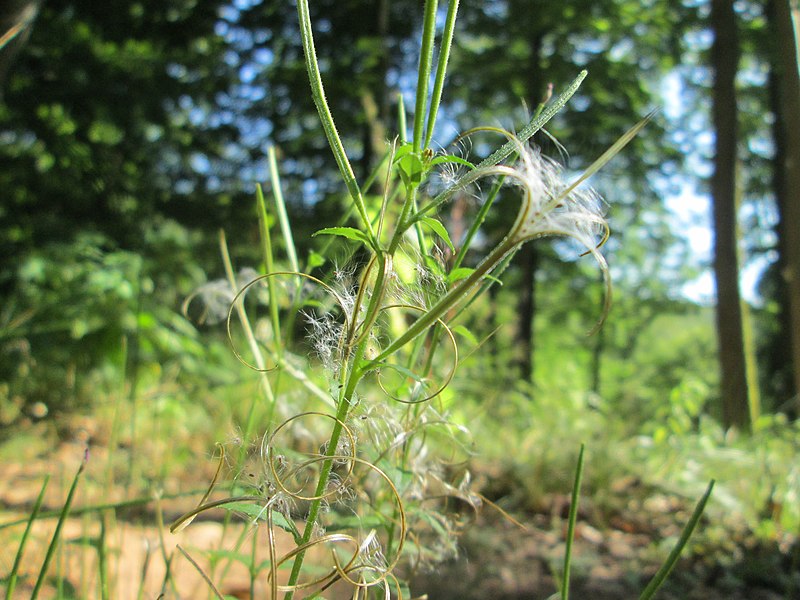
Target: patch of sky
229,13
263,56
322,25
243,5
248,73
176,70
261,36
256,132
622,49
231,58
690,208
199,162
699,40
311,192
184,187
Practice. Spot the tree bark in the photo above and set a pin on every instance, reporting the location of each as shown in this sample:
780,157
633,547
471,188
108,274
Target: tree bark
528,259
733,371
785,22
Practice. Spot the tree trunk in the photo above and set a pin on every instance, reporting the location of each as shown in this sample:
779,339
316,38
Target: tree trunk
785,21
724,61
528,260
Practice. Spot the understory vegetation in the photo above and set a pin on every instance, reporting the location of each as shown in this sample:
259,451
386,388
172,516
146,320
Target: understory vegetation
347,410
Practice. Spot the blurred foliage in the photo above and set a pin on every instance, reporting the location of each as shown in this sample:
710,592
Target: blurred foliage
130,131
75,303
115,122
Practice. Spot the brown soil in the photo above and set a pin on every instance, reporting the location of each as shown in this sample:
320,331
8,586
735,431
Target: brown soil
614,556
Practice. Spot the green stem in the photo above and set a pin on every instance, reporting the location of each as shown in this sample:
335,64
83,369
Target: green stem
59,525
12,579
425,62
269,266
573,516
672,559
251,340
441,68
280,207
402,221
476,224
352,380
449,299
328,125
535,124
401,119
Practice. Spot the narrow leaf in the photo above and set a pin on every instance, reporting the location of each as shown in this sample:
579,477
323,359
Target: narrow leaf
440,230
536,123
672,559
57,533
459,274
449,158
350,233
573,516
12,578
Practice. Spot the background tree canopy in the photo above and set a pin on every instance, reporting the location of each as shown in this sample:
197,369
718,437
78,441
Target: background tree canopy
131,132
135,140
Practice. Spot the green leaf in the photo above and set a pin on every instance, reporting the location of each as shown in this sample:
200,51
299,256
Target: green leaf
355,522
315,259
256,511
411,168
440,230
450,158
672,559
459,274
351,233
465,333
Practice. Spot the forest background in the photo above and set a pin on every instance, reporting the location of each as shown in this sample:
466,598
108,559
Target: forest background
132,132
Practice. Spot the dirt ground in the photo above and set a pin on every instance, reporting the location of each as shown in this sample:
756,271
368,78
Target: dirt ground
614,557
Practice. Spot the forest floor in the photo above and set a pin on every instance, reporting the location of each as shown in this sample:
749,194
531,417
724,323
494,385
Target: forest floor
614,555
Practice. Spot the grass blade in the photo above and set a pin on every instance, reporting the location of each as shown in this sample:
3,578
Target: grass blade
269,266
12,578
208,581
97,508
664,571
573,516
280,206
57,533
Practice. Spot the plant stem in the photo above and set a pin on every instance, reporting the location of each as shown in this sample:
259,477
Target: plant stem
573,516
12,579
425,62
59,525
353,377
328,125
449,299
441,68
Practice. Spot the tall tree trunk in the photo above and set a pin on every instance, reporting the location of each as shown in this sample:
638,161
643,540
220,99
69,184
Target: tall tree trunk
785,22
528,259
733,371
